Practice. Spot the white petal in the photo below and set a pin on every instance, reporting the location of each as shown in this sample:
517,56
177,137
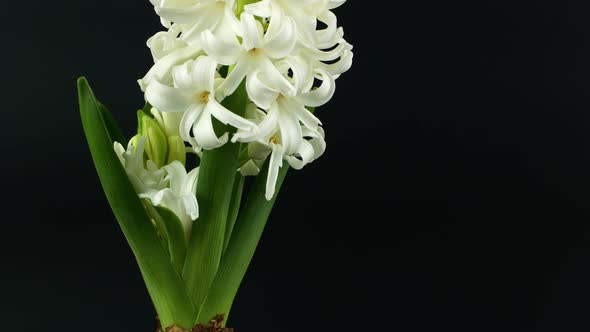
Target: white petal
251,32
162,70
164,43
328,37
233,80
276,19
226,116
328,41
305,154
188,121
330,55
261,94
205,134
223,52
302,73
260,9
208,20
184,14
341,66
176,176
273,78
335,3
306,25
119,151
254,115
165,98
305,116
249,168
191,207
321,95
164,198
259,151
291,135
270,123
169,200
190,184
276,162
281,43
181,75
203,74
231,19
317,140
134,156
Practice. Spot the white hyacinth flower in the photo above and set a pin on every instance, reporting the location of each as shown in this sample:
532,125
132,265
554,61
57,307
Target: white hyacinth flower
191,18
170,187
193,94
162,69
165,42
305,13
303,78
287,129
283,137
325,47
256,52
180,196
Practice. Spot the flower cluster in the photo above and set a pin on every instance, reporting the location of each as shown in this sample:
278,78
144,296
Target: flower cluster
285,54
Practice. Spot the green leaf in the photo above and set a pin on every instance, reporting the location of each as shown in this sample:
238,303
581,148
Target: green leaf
241,248
176,237
165,286
234,207
112,127
217,174
157,221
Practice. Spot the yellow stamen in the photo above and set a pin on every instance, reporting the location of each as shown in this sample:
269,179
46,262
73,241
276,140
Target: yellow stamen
204,97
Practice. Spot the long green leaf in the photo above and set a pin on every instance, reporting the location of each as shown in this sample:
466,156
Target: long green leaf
111,125
214,192
157,221
176,238
234,207
165,287
241,248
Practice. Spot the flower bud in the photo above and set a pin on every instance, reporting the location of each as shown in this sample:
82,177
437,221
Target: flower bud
176,150
156,146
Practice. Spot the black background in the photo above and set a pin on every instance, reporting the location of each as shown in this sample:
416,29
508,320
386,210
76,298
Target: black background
453,195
